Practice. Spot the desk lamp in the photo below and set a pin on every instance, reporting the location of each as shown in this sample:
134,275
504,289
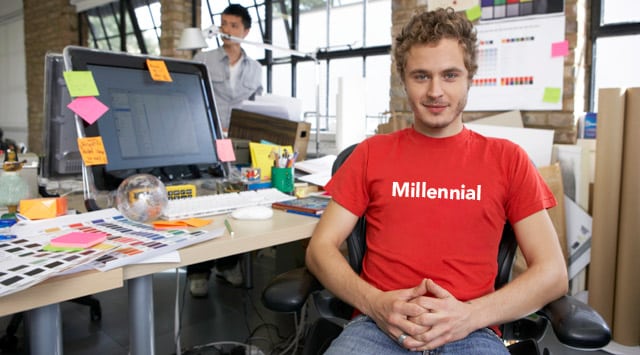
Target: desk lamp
193,38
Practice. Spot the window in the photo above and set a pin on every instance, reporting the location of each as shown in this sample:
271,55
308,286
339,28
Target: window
142,26
616,37
358,43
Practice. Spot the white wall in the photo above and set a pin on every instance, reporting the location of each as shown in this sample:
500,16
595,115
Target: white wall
13,85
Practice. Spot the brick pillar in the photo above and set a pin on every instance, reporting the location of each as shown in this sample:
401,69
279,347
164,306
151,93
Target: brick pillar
49,26
176,16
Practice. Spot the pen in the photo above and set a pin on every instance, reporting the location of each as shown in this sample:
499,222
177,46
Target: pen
228,225
7,236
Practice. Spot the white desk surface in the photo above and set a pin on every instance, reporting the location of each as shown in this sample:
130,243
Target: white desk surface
248,236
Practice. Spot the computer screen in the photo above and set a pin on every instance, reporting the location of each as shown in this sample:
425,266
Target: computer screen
167,129
61,158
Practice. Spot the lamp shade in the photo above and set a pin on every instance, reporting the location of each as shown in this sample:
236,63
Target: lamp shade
191,39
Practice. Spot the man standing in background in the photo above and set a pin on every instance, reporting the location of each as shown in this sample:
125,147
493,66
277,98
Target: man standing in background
235,77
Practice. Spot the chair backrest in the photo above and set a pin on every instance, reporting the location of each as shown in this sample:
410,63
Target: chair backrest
357,246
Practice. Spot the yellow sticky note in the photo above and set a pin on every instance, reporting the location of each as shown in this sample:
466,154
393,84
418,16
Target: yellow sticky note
80,83
92,151
552,95
263,155
474,13
224,148
158,70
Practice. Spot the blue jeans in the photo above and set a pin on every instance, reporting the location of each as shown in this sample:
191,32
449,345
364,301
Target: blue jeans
362,336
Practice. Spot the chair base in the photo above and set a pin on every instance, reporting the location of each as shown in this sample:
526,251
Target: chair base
320,336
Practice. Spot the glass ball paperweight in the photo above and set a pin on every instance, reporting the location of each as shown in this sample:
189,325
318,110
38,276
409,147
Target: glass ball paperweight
141,197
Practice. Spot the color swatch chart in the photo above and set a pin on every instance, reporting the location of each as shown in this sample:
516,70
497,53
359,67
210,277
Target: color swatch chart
499,9
516,65
24,261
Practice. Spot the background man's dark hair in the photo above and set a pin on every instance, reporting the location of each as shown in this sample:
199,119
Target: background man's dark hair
240,11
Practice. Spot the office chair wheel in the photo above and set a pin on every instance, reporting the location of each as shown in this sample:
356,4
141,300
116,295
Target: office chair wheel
8,343
524,347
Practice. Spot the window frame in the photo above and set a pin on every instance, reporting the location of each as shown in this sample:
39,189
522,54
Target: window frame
598,31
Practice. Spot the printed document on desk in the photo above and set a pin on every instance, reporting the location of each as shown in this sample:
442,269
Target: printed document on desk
318,170
24,262
289,108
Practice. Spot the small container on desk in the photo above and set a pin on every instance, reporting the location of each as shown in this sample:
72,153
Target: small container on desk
282,179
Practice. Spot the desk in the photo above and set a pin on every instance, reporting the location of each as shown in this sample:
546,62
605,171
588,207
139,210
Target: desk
41,301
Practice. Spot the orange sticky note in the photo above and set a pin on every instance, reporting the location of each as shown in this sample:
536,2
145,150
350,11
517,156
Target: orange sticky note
197,222
191,222
158,70
560,49
224,147
92,151
169,224
41,208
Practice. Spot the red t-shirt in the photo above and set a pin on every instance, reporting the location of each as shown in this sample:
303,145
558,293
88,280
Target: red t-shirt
436,207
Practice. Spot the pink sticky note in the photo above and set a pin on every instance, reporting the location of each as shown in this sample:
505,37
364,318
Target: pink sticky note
78,240
225,150
88,107
560,49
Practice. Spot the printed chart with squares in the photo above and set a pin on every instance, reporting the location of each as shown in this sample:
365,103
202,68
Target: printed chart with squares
25,261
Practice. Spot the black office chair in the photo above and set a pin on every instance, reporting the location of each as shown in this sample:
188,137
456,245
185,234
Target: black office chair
574,323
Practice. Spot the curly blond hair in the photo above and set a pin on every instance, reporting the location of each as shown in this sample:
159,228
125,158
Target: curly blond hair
429,27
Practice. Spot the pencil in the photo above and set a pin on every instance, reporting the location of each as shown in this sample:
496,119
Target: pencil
228,225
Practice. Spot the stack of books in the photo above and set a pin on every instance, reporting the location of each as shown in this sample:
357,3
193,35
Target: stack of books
313,205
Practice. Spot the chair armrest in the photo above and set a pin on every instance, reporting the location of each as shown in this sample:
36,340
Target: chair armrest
576,324
289,291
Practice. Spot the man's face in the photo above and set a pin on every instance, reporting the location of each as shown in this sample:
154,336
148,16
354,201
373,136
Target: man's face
232,25
437,85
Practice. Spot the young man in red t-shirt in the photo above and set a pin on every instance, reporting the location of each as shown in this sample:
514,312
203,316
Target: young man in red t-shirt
436,197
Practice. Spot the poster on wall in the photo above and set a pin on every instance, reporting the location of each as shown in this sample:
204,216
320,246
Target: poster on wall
501,9
520,64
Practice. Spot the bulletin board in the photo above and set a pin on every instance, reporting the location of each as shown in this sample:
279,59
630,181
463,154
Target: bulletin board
520,64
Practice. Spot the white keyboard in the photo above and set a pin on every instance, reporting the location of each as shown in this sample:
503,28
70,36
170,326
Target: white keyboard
222,203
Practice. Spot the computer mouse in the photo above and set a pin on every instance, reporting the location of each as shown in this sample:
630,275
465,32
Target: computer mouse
253,212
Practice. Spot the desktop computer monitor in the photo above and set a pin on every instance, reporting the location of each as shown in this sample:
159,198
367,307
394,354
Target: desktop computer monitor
167,129
61,158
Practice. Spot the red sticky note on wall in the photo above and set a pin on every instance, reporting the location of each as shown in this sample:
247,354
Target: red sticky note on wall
224,147
560,49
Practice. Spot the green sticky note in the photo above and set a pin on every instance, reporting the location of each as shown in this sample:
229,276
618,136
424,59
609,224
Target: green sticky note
80,83
474,13
50,247
552,95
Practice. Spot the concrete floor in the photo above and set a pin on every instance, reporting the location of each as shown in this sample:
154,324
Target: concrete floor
228,314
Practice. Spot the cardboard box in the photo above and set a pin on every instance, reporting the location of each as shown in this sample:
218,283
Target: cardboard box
257,127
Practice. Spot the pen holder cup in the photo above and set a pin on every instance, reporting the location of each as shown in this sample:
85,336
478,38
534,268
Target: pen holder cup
282,179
